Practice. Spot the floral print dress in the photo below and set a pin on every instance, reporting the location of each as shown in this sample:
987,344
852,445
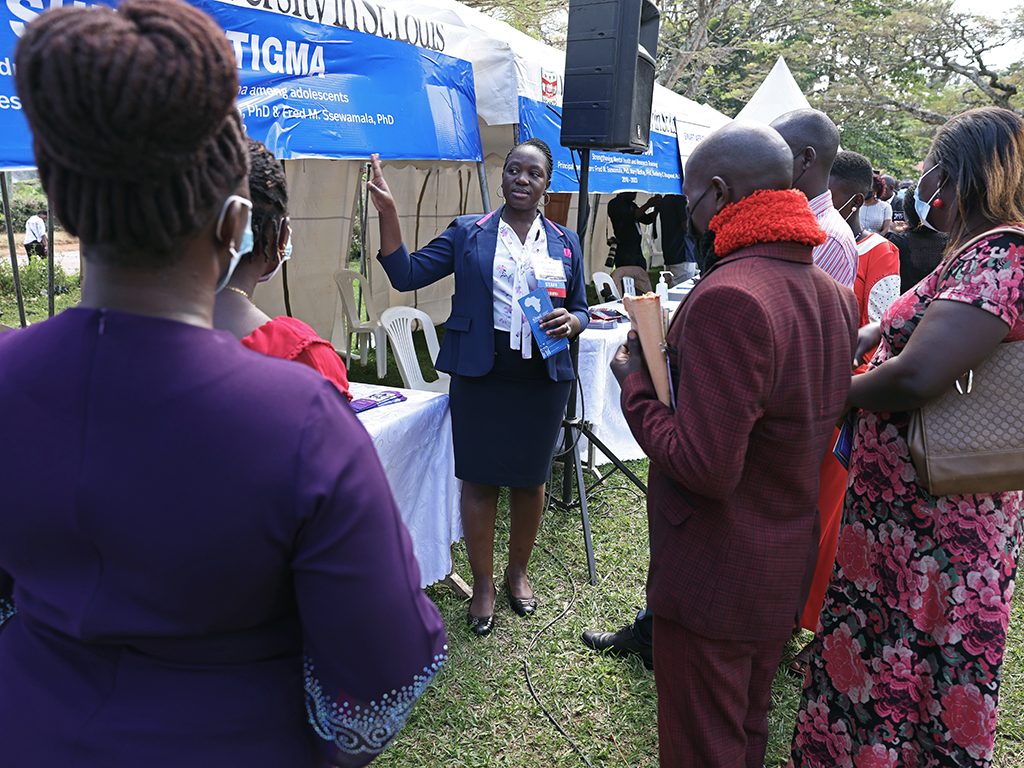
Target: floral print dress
908,654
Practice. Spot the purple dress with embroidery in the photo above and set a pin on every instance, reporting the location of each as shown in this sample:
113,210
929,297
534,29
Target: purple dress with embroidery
201,563
907,659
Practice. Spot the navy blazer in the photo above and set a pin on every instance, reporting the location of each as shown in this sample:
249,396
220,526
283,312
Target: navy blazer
467,248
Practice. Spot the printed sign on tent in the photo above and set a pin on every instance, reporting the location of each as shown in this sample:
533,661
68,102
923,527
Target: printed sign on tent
317,90
307,89
656,171
688,136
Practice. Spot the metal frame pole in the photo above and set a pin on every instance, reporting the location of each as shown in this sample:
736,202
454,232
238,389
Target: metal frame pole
14,253
49,253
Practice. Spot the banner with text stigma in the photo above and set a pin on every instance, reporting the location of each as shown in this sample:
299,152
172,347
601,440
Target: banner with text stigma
656,171
308,89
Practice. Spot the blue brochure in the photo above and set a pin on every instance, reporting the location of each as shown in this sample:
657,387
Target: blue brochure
535,306
844,443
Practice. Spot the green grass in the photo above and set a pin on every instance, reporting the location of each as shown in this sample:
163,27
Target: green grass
479,712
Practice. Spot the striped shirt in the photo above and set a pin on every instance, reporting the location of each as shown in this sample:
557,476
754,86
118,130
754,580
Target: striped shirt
838,254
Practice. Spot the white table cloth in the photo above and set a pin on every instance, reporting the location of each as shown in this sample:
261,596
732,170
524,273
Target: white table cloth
600,392
414,443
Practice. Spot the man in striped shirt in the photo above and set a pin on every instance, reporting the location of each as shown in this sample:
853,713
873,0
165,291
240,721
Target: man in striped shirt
814,140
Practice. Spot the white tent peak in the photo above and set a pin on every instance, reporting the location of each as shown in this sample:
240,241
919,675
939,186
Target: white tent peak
777,95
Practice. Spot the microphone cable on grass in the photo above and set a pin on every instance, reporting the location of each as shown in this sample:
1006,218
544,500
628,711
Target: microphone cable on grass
602,504
533,642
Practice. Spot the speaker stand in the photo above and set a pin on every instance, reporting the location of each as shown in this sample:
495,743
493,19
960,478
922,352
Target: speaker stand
572,466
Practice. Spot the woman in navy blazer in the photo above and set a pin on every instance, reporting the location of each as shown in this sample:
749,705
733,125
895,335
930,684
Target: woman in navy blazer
507,402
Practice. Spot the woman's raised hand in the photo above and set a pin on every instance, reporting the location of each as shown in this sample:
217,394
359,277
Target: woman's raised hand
379,192
390,226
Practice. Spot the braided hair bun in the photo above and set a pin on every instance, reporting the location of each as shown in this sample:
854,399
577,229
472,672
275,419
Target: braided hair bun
268,190
134,125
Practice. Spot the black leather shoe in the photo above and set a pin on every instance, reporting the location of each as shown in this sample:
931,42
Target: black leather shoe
524,606
621,643
481,625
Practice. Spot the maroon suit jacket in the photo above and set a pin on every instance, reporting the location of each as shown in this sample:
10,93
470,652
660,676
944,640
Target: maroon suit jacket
765,342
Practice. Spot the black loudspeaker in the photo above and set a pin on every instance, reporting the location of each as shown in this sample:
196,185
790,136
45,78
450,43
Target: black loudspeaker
609,74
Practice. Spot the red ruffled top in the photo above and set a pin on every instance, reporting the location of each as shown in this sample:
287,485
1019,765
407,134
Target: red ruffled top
292,339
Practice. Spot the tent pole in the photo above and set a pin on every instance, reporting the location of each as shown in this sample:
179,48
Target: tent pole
485,195
364,222
49,253
14,254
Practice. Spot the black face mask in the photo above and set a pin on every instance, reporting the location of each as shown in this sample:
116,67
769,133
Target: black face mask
801,174
704,249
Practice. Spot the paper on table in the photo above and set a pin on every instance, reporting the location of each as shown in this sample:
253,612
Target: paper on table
646,318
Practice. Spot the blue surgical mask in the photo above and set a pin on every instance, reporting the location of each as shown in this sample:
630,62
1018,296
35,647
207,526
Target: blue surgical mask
920,206
284,256
247,239
235,254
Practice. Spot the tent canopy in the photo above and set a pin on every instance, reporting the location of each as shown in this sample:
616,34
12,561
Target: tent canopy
777,95
431,188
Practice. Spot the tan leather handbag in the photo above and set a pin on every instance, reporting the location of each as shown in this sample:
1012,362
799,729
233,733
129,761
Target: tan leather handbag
971,439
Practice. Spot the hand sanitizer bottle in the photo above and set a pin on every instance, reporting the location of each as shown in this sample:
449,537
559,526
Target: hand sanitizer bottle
662,288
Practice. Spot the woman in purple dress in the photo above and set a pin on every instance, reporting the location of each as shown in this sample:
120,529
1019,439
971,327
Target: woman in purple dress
907,658
200,561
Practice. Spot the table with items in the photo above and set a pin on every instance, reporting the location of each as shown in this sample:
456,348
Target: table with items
413,438
599,392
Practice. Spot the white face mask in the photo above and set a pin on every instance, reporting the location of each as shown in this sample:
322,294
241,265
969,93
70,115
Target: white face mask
846,218
283,257
235,254
920,206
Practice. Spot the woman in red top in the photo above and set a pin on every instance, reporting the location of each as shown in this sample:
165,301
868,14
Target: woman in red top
270,246
876,287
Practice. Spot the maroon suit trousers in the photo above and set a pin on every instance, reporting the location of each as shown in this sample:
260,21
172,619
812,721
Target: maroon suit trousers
713,697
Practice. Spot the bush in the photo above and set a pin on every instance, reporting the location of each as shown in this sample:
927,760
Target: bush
34,279
27,199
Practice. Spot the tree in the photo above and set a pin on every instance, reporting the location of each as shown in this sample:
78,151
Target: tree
918,57
541,19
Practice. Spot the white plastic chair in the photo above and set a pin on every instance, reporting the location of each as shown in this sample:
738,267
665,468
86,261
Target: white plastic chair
355,324
602,279
398,323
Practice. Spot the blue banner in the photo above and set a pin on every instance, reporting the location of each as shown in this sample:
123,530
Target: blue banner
317,90
307,89
656,171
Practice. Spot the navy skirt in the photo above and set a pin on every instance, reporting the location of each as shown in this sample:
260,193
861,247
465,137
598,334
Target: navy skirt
505,425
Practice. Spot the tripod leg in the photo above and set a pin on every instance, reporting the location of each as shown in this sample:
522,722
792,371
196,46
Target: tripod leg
584,515
593,440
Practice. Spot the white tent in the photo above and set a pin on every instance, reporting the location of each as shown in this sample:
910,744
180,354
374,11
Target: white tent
323,193
777,95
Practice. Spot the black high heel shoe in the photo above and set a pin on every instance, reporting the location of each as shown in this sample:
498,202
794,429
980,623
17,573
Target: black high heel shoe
523,606
482,625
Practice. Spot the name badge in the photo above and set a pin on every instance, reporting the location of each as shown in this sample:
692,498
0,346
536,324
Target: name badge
555,288
550,274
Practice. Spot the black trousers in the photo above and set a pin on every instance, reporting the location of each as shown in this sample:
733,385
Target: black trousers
35,249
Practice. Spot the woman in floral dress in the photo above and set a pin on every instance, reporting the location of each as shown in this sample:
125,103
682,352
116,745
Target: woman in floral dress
909,650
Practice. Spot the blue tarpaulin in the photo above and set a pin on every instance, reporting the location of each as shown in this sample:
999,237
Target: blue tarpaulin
307,89
656,171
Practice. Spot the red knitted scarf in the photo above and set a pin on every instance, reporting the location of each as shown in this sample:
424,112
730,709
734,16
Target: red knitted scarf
766,216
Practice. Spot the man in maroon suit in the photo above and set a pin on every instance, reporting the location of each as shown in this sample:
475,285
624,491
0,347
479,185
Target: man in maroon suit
760,354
